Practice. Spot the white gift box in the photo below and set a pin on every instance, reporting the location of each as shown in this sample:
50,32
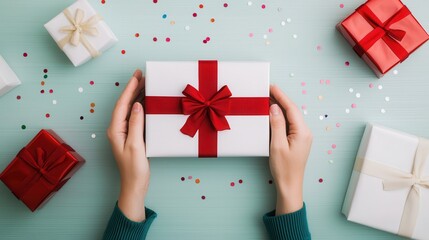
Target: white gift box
81,33
8,79
389,186
248,134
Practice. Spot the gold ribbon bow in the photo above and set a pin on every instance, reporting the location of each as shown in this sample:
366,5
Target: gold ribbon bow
78,29
394,179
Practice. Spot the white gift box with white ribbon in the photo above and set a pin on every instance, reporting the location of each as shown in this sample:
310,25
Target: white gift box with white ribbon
389,186
8,79
81,33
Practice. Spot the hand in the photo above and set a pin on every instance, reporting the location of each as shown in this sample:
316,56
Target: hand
289,150
126,137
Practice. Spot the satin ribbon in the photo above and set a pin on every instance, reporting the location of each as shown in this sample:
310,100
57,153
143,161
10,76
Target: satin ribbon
394,179
208,117
43,166
78,29
392,37
200,109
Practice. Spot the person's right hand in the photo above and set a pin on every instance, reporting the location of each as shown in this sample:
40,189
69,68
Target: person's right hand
289,150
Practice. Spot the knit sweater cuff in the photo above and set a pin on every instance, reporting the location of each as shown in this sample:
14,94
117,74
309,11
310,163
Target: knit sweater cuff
120,227
287,226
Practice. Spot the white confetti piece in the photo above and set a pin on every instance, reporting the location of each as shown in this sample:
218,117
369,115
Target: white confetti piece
283,23
380,87
395,72
358,95
289,20
347,110
187,28
292,74
249,3
54,102
387,99
321,117
383,110
93,135
80,90
351,90
295,36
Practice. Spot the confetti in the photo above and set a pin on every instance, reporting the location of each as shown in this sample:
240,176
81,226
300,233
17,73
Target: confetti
270,181
295,36
45,70
187,28
54,102
371,85
395,72
51,91
283,23
320,180
288,20
232,184
23,127
249,3
164,16
338,125
270,30
123,51
103,1
225,5
91,82
358,95
203,197
201,6
347,63
81,117
329,152
334,146
383,110
387,99
93,135
265,36
182,178
212,20
347,110
251,35
197,181
240,181
18,97
353,105
189,177
318,48
80,89
155,1
137,35
47,115
194,15
320,98
321,117
331,161
263,6
304,92
167,39
341,5
351,90
380,87
292,74
117,84
25,54
154,39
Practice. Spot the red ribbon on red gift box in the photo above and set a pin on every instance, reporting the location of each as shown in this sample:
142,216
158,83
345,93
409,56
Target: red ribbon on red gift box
43,165
207,107
391,37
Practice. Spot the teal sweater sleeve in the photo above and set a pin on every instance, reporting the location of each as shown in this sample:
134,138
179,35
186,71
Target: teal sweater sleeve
288,226
120,227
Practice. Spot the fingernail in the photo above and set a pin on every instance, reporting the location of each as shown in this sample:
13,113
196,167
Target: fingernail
136,107
274,109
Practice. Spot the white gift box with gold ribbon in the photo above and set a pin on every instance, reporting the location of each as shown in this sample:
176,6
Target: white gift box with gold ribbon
8,78
81,33
389,186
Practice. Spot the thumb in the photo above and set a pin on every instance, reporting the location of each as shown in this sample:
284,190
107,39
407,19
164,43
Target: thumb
278,126
136,124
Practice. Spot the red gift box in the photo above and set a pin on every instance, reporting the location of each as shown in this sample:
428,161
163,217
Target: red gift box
384,33
41,168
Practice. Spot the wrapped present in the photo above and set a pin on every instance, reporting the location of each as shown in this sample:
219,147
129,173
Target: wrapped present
207,109
8,79
384,33
389,186
40,169
81,33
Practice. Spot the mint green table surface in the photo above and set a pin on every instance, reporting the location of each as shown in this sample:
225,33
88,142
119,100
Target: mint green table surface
304,50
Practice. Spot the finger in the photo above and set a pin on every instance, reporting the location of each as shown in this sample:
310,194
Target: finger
135,125
293,115
124,102
278,126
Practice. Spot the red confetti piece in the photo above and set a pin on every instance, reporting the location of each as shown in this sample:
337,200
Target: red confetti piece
117,84
201,6
25,54
341,5
155,39
263,6
123,51
155,1
51,91
225,5
137,35
91,110
103,1
45,70
203,197
42,91
232,184
204,41
194,14
347,63
18,97
91,82
168,39
182,178
47,115
240,181
320,180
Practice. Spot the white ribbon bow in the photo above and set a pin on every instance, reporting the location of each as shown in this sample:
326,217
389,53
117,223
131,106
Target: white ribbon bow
394,179
78,29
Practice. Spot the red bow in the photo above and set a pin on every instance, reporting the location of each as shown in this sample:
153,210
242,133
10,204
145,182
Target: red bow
392,37
201,109
42,164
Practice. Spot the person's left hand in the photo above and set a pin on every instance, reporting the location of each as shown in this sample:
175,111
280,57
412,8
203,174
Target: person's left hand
126,137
